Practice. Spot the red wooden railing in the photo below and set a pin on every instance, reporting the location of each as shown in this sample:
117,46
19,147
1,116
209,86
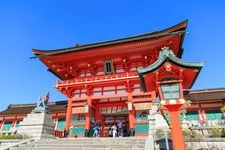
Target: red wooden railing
102,78
59,133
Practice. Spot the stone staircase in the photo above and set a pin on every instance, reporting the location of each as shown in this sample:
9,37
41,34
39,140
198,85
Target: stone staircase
85,144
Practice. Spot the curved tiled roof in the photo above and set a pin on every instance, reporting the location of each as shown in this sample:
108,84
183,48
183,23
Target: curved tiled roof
176,29
206,94
27,108
59,60
167,55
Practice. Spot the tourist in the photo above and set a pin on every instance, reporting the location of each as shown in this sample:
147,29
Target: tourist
120,128
125,130
110,132
96,129
114,130
99,128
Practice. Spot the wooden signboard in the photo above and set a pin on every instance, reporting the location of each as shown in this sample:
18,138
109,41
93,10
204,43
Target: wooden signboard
78,110
142,106
61,114
10,117
21,116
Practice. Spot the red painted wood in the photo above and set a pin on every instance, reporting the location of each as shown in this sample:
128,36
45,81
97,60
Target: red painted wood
88,114
59,133
126,50
176,132
131,113
68,114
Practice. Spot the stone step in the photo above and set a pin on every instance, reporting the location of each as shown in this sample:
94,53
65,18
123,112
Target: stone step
85,144
99,138
96,140
91,143
50,144
81,145
72,148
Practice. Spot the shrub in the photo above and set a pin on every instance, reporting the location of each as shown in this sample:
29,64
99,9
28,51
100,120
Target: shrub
216,132
12,136
187,133
223,133
7,137
190,133
195,134
222,109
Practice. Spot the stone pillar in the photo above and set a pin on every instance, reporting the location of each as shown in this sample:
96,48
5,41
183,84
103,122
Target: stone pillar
152,124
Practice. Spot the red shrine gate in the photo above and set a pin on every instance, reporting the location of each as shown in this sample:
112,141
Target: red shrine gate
101,80
109,103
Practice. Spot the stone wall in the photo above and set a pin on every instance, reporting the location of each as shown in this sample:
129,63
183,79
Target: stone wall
195,144
205,143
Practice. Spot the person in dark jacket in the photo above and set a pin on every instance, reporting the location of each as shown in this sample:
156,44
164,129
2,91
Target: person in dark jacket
120,128
96,129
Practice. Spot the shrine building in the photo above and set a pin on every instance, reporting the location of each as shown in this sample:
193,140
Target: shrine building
103,83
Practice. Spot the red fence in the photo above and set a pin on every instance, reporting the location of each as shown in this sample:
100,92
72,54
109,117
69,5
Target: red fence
59,133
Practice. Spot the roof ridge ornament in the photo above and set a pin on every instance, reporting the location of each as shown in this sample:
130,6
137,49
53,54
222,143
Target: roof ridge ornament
166,51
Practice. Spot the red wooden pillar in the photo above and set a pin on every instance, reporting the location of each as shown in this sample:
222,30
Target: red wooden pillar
131,122
68,116
102,125
1,122
97,114
88,117
131,114
223,113
176,131
14,122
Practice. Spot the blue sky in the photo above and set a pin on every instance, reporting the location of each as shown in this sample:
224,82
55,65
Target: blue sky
53,24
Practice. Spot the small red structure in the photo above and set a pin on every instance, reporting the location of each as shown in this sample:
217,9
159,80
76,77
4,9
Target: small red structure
169,75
